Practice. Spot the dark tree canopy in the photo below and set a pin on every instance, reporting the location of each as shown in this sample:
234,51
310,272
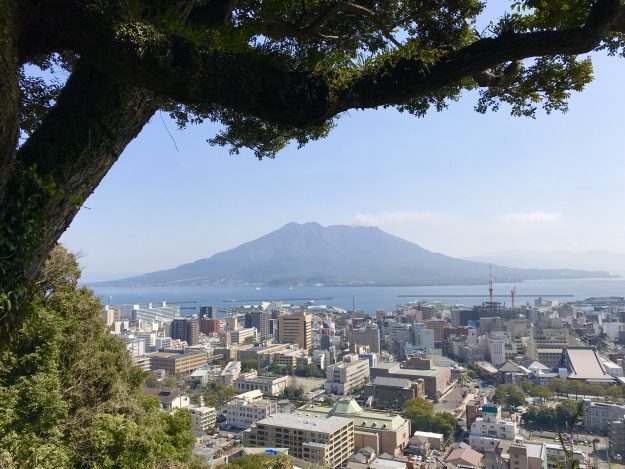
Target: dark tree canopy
270,72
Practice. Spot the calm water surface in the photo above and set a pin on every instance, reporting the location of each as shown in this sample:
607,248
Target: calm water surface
367,298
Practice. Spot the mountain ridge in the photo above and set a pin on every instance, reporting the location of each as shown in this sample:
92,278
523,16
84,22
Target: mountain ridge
309,254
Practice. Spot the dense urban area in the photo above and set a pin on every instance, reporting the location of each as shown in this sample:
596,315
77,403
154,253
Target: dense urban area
427,385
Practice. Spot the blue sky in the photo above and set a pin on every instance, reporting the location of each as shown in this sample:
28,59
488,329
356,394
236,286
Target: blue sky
456,182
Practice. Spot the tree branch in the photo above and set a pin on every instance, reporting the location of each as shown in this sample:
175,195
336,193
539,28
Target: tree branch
249,83
312,30
9,92
61,164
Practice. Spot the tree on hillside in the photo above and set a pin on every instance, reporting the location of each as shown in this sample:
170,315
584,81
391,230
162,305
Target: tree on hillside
269,72
69,393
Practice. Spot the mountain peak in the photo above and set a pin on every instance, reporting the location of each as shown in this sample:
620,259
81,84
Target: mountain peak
308,253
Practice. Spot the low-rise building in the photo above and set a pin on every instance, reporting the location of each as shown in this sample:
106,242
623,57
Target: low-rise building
230,373
327,442
598,415
392,393
272,386
488,431
436,379
169,398
178,363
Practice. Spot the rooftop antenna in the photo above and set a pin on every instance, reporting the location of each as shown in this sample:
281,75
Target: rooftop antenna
490,283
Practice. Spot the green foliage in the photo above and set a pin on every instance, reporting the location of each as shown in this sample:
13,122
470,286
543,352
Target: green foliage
261,461
548,417
579,388
509,395
69,394
421,414
293,392
217,394
248,365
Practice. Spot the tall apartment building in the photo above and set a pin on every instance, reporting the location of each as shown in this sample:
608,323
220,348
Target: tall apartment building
344,377
260,321
368,335
209,312
187,329
296,329
248,408
327,442
438,326
209,326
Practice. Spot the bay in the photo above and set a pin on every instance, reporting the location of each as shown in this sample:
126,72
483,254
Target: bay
367,299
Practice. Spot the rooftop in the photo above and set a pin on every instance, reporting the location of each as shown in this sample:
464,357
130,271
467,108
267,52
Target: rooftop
371,420
323,425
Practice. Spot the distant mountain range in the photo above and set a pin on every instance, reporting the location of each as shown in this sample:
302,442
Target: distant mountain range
613,262
310,254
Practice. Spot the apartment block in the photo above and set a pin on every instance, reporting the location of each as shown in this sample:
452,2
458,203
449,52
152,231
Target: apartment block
326,442
202,418
248,408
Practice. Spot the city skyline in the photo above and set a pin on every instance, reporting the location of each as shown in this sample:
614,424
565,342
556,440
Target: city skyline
475,184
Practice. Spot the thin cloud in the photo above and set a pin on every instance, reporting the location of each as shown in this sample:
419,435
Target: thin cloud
536,217
397,218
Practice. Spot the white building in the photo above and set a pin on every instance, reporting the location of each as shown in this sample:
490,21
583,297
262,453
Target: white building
319,358
202,418
230,373
162,313
248,408
496,350
344,377
488,431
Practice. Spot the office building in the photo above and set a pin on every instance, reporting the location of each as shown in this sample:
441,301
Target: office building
162,313
346,376
296,329
269,385
326,442
178,363
369,335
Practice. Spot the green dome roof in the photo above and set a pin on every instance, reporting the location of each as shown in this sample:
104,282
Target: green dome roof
346,406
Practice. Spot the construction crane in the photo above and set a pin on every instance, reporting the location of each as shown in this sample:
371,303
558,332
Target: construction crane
490,283
513,295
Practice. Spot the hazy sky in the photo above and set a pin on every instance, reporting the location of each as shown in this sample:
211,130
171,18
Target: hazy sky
456,182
